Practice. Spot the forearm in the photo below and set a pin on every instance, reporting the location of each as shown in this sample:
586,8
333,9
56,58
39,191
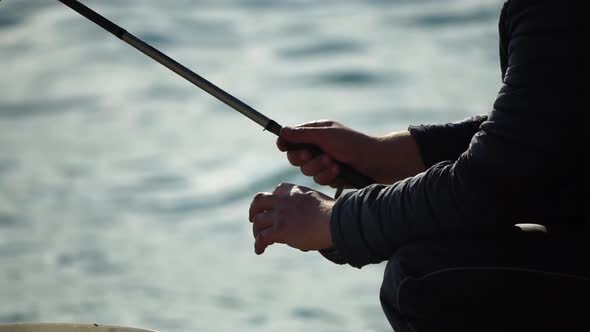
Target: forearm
399,155
396,156
369,225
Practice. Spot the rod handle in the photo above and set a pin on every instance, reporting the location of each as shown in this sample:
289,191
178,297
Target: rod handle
347,176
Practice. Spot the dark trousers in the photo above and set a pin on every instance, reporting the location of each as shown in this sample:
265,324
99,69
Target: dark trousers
517,281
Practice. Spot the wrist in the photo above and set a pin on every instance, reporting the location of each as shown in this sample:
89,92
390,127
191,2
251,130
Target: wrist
398,157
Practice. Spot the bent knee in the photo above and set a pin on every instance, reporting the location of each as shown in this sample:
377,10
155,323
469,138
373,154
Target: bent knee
411,279
401,267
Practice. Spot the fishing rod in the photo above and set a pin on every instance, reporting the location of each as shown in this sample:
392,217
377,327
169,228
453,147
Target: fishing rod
347,174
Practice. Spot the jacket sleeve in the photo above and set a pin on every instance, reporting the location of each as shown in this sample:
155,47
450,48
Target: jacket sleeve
518,166
440,142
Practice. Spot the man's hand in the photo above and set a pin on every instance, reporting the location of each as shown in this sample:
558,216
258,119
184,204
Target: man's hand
293,215
386,159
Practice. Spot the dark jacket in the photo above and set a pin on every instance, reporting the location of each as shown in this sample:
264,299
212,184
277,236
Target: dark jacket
522,163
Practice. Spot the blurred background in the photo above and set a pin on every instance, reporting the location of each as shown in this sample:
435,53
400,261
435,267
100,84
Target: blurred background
124,190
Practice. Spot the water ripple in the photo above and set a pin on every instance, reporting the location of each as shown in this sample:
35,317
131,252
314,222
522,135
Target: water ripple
17,317
141,164
7,165
229,301
6,20
15,12
155,183
91,261
348,77
7,220
308,313
14,110
128,198
455,18
257,320
322,48
155,38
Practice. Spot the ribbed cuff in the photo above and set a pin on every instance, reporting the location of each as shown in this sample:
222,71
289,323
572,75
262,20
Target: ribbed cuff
417,133
346,230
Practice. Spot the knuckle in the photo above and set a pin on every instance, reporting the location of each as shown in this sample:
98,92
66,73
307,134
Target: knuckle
255,218
321,122
257,227
307,170
293,158
255,205
313,167
302,154
281,188
320,179
317,179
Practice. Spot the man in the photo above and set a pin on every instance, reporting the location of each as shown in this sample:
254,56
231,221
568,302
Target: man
483,222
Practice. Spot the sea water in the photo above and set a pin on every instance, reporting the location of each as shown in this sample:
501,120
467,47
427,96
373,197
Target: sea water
124,190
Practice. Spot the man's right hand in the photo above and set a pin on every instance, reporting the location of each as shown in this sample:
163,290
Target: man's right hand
386,159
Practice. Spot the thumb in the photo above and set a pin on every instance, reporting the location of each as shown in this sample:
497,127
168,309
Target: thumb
264,239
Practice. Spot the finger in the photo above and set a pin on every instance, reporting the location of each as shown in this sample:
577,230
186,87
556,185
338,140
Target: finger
316,124
283,189
298,157
257,230
264,239
261,202
317,165
300,190
261,221
282,144
327,176
259,248
311,135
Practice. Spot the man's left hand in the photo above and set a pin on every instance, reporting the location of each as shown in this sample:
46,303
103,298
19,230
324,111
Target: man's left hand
293,215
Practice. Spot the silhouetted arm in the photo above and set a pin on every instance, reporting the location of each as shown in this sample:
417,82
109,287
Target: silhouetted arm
523,164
